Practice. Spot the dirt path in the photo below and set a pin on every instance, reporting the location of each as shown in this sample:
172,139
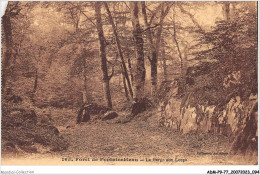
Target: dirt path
139,140
109,141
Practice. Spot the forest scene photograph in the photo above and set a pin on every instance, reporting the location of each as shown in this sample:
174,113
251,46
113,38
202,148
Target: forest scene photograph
129,83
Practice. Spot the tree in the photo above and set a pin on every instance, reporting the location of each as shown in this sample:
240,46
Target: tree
164,61
139,76
74,12
154,44
125,74
16,24
232,45
226,9
177,43
102,49
12,10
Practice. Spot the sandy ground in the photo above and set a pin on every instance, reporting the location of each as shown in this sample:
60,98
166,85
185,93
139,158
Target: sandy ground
137,142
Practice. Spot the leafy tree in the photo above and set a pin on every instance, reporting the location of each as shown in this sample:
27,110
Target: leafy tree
233,45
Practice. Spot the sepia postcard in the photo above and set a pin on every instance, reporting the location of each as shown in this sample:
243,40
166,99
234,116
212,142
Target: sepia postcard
130,83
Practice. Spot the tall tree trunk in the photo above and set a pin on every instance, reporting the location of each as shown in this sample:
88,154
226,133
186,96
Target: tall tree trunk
102,49
154,45
35,81
129,59
177,44
35,85
125,87
226,9
152,49
85,92
154,63
119,50
165,78
11,11
139,77
182,76
154,66
7,28
130,69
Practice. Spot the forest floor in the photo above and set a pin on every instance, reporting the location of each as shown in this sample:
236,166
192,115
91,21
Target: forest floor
142,139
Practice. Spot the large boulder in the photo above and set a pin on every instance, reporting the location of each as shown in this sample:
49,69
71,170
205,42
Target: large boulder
206,122
189,121
140,105
170,114
87,111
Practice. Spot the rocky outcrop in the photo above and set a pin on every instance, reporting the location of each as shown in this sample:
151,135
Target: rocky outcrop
211,101
201,118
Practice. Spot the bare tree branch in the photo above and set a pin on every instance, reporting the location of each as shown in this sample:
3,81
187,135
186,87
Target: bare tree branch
83,13
191,16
